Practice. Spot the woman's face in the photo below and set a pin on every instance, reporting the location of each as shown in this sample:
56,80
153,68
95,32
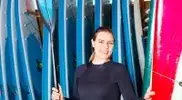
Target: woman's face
103,45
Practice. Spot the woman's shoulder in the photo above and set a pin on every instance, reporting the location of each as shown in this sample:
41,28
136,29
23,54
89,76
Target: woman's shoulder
116,66
80,69
118,71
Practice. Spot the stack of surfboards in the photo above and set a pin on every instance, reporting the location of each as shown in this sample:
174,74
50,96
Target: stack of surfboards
23,76
20,51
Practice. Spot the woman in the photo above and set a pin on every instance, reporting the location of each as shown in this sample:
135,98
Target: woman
102,79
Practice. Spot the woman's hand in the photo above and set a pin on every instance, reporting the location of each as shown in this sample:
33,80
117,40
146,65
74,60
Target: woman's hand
57,94
149,94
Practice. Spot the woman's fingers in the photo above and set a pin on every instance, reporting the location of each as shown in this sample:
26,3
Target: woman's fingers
54,89
55,94
55,97
149,95
61,92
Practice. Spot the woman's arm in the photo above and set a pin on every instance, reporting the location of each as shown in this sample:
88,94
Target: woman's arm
126,88
122,78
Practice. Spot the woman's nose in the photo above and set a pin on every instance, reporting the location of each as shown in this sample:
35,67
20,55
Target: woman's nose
106,45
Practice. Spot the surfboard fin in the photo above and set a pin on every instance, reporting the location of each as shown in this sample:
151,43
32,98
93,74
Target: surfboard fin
180,84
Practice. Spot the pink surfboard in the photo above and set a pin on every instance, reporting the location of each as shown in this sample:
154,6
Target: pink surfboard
166,74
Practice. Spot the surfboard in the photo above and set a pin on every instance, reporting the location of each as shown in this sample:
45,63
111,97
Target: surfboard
128,42
1,83
149,49
46,10
177,89
67,45
4,50
107,13
1,87
12,75
89,27
117,28
63,48
167,49
103,13
84,29
98,13
29,49
71,33
47,65
138,35
80,30
138,54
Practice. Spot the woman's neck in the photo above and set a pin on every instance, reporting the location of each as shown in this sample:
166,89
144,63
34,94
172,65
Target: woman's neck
99,61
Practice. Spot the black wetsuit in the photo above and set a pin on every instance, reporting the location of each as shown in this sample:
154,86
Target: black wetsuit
103,82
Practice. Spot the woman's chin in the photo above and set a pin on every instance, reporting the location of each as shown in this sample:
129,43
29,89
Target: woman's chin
105,57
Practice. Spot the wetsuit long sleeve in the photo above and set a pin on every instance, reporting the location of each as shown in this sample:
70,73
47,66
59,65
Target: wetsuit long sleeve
80,70
103,82
121,77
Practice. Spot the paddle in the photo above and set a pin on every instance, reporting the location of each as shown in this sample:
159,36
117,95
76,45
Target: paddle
50,24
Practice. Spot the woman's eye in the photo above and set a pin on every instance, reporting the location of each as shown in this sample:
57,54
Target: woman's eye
101,42
110,43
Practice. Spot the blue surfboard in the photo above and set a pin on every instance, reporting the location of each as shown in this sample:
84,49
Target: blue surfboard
107,13
47,66
128,42
98,13
4,50
88,27
80,30
1,83
85,27
71,44
48,12
67,46
63,48
12,75
117,28
29,49
1,87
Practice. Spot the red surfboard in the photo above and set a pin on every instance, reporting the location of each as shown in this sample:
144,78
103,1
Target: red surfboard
166,74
